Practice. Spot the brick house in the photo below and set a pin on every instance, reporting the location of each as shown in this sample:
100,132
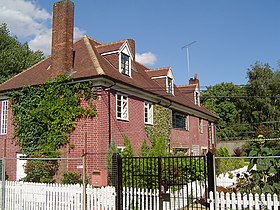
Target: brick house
128,96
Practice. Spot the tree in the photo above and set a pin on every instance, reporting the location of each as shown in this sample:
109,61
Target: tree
263,91
14,56
227,101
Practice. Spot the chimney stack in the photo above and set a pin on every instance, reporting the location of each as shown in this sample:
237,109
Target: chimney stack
62,38
194,80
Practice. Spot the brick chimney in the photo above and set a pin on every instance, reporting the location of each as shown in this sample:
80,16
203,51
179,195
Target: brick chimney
62,38
194,80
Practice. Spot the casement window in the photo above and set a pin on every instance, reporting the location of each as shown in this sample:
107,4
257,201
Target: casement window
180,121
148,115
125,67
4,117
200,126
122,107
197,98
170,88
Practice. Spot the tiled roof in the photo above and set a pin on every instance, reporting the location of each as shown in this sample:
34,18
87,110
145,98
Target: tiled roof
158,72
89,64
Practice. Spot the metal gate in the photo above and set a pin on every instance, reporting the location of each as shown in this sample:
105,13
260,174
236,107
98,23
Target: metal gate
162,183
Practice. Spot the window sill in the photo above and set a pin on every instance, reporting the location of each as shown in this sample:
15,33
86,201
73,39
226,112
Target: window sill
124,120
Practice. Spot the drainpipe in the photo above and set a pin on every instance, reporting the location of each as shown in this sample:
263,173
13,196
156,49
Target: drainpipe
109,113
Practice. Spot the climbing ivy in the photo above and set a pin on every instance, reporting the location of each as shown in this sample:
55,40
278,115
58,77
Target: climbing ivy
44,115
162,124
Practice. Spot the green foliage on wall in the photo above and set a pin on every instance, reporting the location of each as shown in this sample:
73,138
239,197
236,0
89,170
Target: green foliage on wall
224,165
45,115
162,124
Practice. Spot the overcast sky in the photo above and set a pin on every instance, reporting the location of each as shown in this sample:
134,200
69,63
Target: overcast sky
229,35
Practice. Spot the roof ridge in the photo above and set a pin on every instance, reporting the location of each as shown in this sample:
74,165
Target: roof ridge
159,69
93,39
93,57
110,43
187,85
36,64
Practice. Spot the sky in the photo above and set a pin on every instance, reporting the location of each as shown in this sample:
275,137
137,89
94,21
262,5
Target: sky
228,36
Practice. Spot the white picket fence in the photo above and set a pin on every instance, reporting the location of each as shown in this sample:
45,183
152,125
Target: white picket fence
237,201
36,196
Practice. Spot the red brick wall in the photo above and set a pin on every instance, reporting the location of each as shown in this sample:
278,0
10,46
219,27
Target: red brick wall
185,139
92,135
8,147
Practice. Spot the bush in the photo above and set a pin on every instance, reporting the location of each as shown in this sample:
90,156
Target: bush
70,177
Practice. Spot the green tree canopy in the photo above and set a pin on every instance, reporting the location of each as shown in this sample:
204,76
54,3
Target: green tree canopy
263,93
227,101
245,110
14,56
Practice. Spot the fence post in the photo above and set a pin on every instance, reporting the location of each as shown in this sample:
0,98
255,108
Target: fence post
117,179
211,174
160,184
3,179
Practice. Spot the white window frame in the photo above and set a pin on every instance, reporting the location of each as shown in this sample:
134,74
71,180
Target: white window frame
125,66
4,117
125,51
122,107
187,122
197,97
169,86
195,149
200,126
148,113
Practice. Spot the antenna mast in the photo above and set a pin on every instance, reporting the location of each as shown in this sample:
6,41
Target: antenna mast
187,57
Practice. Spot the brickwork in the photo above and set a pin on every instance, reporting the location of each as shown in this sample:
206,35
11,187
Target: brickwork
186,138
8,146
62,38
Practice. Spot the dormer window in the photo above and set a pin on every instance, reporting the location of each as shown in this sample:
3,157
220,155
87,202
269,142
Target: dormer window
169,86
125,64
125,58
197,97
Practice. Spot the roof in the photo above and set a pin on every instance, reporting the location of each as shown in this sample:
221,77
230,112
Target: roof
89,63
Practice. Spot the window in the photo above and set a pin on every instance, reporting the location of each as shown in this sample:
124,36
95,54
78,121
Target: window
197,98
187,122
125,64
4,117
170,85
200,126
195,150
122,107
180,121
148,115
204,150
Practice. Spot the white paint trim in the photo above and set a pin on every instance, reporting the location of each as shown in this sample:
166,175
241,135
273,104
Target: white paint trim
112,52
159,77
122,100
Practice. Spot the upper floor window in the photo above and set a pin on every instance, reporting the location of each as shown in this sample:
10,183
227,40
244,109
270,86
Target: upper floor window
148,115
200,126
197,98
4,117
170,88
180,121
122,107
125,67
